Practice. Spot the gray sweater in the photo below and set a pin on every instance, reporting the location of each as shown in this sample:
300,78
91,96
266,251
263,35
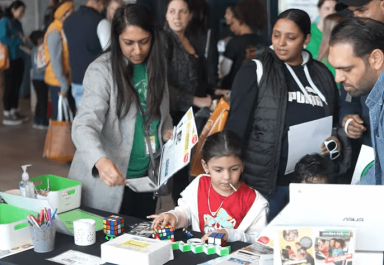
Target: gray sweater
98,132
55,47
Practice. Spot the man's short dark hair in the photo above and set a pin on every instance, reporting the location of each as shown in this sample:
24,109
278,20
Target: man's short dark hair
310,167
364,34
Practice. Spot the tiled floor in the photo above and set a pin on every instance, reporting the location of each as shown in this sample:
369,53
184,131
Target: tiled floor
22,144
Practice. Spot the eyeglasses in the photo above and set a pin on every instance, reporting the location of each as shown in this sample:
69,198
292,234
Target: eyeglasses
331,146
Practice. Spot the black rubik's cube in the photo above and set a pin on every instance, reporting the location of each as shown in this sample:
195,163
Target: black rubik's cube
113,225
165,233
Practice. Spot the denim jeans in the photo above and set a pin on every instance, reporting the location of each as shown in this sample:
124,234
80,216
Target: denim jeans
77,93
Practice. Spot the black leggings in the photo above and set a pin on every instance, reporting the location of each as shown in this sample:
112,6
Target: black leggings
138,205
41,89
13,77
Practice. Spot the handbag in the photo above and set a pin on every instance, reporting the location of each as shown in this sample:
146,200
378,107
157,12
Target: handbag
4,57
58,142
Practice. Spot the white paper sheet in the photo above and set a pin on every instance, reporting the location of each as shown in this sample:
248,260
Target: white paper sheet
72,257
306,138
366,156
177,151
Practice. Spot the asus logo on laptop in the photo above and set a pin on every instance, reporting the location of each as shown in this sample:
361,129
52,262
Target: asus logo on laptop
351,219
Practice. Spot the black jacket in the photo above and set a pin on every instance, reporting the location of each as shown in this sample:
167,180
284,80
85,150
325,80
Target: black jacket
80,29
258,112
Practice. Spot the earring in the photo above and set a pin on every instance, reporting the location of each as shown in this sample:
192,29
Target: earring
305,46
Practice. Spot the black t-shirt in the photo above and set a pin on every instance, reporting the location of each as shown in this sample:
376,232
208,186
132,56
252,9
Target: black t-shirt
236,50
299,110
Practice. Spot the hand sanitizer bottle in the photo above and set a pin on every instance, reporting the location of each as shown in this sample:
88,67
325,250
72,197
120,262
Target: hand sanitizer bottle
27,188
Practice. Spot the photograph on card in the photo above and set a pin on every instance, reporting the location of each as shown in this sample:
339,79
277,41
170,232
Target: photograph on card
335,246
296,246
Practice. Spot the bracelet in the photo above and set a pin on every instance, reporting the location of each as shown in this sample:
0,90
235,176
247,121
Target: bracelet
346,126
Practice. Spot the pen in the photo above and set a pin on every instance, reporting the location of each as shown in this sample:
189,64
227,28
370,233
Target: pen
45,214
49,216
53,214
41,216
33,219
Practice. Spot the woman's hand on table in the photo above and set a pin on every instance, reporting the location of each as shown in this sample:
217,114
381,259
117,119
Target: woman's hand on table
109,173
222,231
164,219
168,134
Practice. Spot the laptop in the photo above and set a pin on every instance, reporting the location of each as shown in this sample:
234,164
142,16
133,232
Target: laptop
360,206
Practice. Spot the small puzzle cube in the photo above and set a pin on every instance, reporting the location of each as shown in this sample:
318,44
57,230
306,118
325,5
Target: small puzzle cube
166,233
184,247
217,239
223,251
175,245
113,225
209,249
197,248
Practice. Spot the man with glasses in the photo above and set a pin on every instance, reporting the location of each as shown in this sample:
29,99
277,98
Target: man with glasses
357,53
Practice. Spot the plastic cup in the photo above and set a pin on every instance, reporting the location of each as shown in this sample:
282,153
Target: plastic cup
43,238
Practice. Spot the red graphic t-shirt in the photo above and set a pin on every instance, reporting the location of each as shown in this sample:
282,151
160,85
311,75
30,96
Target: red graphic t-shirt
232,212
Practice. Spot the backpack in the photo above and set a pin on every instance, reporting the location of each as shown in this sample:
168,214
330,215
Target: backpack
4,57
39,58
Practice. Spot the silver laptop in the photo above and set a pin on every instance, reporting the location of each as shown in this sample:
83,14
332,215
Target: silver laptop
359,206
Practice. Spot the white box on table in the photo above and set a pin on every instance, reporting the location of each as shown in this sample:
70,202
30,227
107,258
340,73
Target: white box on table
65,194
130,249
14,231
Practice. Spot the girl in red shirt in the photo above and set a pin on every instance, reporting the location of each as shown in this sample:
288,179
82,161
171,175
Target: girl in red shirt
219,201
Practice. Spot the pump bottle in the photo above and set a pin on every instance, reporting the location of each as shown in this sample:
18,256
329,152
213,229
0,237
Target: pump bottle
27,188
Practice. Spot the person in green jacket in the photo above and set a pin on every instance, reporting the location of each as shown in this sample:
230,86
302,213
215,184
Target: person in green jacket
325,8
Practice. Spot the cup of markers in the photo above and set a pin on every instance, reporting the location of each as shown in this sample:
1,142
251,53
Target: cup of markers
43,230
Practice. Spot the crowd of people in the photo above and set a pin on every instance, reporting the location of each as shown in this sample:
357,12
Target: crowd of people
131,82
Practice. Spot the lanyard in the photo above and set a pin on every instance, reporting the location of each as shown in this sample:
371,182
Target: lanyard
314,87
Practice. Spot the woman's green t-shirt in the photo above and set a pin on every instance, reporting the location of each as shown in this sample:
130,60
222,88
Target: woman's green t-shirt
315,42
139,161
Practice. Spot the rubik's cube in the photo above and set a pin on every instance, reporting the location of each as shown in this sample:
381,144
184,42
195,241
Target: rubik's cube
113,225
217,239
165,233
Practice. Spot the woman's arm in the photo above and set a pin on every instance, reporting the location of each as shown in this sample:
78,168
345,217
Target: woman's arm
90,119
55,47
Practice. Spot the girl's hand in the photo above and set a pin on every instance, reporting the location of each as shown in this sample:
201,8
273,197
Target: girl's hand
168,135
164,219
222,231
324,150
109,173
